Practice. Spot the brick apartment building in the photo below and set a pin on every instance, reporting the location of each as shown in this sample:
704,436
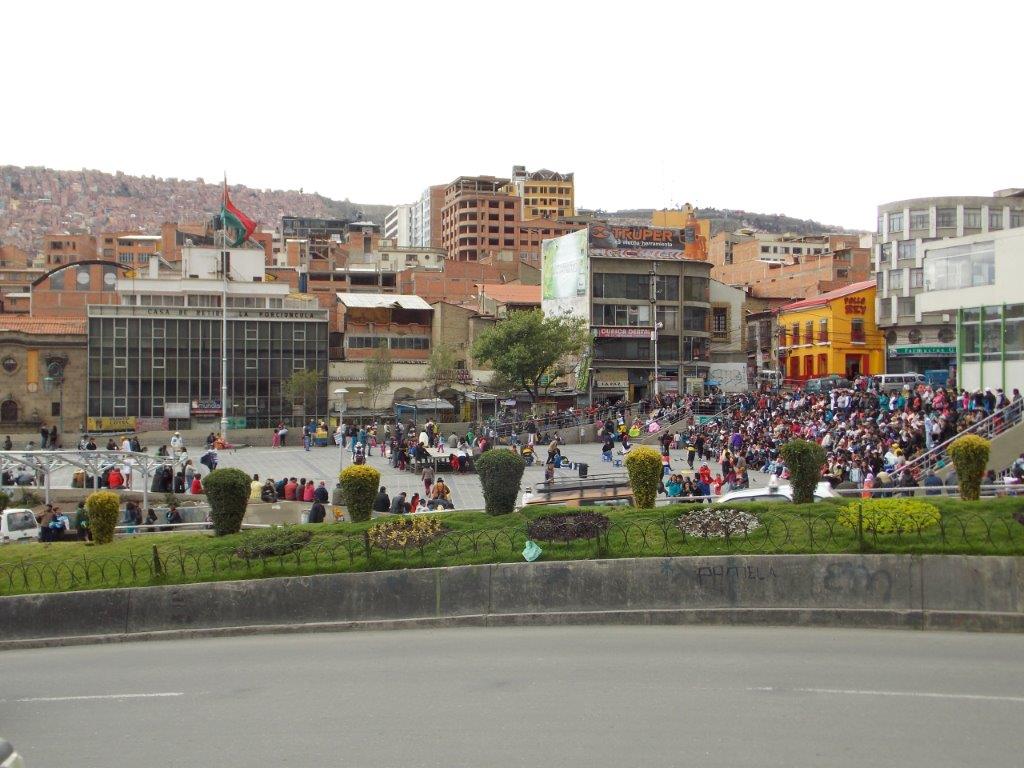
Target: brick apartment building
788,266
484,215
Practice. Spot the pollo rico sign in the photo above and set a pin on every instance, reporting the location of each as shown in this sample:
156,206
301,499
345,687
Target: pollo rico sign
855,305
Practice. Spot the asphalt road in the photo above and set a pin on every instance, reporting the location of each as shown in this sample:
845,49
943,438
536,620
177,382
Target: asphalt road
586,696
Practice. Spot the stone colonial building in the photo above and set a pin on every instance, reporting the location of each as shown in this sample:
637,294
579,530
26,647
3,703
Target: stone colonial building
42,373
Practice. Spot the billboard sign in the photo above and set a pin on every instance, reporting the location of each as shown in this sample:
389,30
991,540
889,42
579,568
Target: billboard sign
638,242
565,275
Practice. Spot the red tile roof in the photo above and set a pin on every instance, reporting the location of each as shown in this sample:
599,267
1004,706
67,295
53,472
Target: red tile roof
43,326
825,298
511,293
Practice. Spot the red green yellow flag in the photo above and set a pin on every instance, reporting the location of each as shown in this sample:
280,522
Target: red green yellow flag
239,226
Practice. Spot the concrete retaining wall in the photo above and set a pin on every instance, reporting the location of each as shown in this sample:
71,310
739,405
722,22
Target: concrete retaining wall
870,590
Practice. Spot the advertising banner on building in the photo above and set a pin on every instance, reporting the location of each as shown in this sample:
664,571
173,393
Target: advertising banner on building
110,423
565,276
638,242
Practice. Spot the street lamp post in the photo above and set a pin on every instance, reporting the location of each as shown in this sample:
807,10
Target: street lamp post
341,392
654,338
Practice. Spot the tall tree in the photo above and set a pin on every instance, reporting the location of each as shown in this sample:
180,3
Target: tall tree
301,388
440,363
526,347
378,371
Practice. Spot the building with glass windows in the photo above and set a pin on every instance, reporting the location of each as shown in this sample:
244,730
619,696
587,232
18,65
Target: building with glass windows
624,309
976,280
917,339
157,355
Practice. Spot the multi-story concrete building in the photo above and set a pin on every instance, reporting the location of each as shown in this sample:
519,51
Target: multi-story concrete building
398,225
920,339
787,266
976,281
545,194
157,355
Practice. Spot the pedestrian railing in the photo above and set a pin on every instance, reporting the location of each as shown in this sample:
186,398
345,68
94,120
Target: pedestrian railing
989,427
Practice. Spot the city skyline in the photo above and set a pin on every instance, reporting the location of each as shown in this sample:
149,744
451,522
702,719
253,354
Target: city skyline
797,112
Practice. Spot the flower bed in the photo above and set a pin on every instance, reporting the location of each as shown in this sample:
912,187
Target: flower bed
405,532
567,526
271,542
717,523
889,515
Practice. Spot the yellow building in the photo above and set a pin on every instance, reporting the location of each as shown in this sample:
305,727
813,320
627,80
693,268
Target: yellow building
545,194
680,219
832,334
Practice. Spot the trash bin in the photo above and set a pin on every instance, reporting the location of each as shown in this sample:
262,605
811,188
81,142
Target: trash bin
583,469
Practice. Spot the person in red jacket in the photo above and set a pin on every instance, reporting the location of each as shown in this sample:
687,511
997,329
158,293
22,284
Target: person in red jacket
197,485
289,490
115,480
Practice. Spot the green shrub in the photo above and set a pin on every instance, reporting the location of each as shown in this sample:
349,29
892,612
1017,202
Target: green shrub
644,467
5,501
272,542
970,456
103,509
359,483
501,472
804,460
228,493
889,515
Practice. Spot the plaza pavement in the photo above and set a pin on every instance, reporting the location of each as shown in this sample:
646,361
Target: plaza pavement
322,464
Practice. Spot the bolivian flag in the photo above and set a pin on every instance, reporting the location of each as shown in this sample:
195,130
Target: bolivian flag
234,221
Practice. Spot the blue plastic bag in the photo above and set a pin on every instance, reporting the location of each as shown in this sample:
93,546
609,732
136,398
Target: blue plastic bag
531,551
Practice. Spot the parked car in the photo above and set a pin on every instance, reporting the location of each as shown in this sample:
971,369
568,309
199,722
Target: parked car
776,493
888,382
827,384
18,524
9,758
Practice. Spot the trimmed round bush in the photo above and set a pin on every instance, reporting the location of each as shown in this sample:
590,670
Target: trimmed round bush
103,509
804,460
359,483
970,457
889,515
501,472
228,493
644,467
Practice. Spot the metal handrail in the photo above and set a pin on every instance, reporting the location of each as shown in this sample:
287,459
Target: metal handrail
998,422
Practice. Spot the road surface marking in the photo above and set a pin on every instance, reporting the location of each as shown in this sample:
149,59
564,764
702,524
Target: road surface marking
913,694
111,696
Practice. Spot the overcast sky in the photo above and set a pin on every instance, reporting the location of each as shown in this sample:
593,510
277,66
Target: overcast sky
774,107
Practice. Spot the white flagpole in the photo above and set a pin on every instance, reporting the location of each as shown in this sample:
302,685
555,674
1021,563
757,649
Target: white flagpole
224,320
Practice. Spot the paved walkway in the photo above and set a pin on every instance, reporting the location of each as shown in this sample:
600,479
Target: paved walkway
322,464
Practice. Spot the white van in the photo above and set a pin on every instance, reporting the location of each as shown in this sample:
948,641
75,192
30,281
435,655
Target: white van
18,525
890,381
771,378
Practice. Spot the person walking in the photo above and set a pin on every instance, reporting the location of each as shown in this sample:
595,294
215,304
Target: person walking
44,437
427,476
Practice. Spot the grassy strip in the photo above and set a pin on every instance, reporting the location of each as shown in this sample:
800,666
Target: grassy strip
984,528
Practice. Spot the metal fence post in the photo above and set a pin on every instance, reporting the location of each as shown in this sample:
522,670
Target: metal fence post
860,527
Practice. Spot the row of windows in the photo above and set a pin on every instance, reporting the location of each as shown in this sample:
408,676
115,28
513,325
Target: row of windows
792,336
393,342
945,218
991,332
960,266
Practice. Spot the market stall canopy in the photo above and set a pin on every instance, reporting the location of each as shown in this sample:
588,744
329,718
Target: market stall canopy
427,404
